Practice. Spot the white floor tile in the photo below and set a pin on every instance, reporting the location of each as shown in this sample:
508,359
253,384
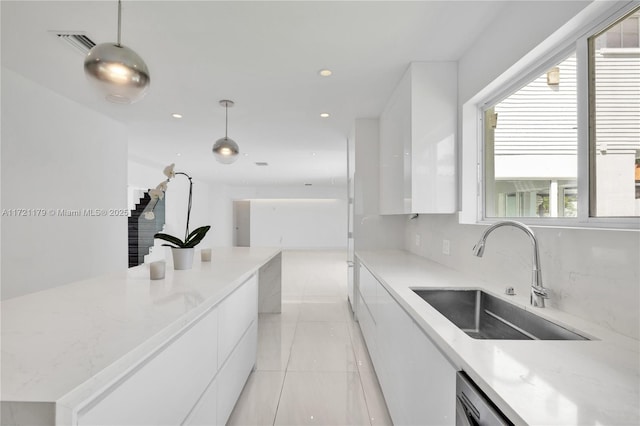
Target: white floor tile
322,346
289,313
313,366
329,310
274,345
259,399
310,398
363,361
313,288
376,406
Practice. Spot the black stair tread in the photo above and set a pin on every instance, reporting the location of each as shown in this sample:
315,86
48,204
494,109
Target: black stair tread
141,230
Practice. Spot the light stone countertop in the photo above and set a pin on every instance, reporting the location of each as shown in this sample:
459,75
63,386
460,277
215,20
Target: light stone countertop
539,382
63,344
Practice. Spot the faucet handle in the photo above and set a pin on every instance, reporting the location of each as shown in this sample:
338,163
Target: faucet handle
537,296
540,291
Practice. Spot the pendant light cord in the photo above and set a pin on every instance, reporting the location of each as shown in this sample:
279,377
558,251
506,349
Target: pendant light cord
226,119
119,21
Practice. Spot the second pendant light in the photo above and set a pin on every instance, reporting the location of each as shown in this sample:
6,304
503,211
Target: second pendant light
226,150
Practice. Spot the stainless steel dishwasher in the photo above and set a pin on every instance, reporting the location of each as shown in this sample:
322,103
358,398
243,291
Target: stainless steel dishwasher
473,407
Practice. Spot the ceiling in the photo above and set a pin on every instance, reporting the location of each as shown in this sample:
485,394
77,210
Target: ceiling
263,55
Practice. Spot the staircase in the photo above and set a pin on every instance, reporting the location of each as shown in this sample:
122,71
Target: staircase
141,230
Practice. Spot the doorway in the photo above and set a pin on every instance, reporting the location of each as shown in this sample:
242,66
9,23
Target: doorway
241,223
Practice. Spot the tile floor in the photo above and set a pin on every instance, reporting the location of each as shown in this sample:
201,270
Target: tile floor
313,367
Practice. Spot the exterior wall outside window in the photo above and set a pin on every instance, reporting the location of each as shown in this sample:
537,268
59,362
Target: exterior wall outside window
615,112
533,146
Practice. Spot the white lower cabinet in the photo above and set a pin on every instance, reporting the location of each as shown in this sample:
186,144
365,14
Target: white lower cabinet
216,404
367,304
163,389
368,287
206,411
194,379
368,328
417,381
433,396
234,373
237,312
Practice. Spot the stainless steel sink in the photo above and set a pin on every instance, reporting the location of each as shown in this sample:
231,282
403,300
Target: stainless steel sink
483,316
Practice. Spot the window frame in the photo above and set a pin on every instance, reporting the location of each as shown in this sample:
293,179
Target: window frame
531,66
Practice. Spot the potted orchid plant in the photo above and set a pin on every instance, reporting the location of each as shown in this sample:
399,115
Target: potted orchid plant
182,250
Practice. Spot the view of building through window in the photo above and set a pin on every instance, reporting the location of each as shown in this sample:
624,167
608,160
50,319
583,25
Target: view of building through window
615,119
531,144
531,136
624,34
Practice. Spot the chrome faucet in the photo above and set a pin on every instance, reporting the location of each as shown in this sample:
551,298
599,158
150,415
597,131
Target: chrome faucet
538,292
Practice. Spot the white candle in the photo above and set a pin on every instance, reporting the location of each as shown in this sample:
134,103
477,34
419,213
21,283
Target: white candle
205,255
157,270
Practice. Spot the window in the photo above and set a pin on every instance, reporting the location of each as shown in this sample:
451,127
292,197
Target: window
533,136
531,145
624,34
614,103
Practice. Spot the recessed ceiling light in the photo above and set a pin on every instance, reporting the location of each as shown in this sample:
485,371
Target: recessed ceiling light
313,153
324,115
325,72
178,154
176,115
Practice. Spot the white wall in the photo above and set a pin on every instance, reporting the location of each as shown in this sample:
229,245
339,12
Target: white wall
615,183
211,205
299,223
57,154
221,205
281,216
593,274
296,216
508,38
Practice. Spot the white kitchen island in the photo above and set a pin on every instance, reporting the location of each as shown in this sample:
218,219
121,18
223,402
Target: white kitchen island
122,349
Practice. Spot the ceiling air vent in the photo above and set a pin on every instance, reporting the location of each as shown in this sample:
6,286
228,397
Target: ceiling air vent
261,163
77,40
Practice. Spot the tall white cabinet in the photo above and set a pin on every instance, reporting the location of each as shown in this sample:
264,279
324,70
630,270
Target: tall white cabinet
418,142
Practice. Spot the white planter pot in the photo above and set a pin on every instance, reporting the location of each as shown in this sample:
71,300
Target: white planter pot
182,258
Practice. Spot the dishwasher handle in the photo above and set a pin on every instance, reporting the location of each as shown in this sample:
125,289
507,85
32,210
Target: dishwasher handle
463,418
473,407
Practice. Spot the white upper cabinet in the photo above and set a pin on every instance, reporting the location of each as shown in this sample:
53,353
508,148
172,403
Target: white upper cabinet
418,142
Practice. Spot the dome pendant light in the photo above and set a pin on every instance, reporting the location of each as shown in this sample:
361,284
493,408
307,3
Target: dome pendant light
226,150
117,70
